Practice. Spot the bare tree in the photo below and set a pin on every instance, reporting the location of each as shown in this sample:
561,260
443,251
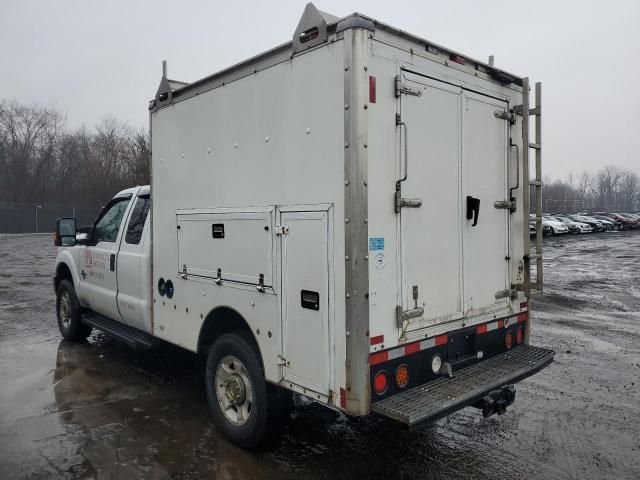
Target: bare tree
629,190
28,135
41,161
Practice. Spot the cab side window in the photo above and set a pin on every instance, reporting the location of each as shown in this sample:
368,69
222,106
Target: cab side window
138,218
107,226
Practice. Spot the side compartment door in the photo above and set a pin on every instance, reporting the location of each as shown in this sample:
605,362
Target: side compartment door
484,177
306,304
98,284
134,268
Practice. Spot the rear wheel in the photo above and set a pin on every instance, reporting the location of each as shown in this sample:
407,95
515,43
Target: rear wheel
69,313
237,391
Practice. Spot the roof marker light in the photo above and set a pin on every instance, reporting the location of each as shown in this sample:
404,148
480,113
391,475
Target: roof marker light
456,58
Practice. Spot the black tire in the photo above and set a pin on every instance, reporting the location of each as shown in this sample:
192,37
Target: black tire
252,431
69,313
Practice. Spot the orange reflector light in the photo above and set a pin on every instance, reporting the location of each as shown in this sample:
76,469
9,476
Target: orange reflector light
380,382
519,336
508,340
402,376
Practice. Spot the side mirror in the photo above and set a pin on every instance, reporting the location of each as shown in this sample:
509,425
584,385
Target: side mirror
65,235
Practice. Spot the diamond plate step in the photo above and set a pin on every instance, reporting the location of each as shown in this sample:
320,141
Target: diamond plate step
443,396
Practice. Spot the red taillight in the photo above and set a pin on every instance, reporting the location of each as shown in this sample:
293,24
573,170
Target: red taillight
519,336
381,382
508,340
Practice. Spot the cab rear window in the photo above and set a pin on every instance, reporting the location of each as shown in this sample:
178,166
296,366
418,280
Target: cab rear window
137,220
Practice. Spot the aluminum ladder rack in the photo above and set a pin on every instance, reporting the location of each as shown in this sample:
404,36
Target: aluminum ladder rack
536,286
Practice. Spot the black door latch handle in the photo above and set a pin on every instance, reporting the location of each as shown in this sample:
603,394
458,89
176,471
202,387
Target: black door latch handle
112,262
473,209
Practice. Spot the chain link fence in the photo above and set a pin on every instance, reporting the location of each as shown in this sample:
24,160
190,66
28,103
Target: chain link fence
41,217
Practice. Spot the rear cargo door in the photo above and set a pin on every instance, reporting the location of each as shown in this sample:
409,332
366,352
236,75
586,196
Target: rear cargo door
484,177
431,234
452,146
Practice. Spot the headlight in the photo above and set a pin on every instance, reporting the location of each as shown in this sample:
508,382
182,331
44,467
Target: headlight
436,363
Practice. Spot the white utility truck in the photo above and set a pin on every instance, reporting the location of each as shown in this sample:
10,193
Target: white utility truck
345,216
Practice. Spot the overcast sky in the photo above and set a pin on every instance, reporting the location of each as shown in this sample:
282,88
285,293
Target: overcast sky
98,58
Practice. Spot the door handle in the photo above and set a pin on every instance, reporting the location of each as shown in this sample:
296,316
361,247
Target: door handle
112,262
473,209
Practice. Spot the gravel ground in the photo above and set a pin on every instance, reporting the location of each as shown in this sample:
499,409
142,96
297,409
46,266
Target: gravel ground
99,410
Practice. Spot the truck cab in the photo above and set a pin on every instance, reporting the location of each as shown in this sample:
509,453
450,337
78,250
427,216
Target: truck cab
108,265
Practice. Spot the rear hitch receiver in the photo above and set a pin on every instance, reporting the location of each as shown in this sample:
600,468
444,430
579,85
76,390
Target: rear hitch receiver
497,401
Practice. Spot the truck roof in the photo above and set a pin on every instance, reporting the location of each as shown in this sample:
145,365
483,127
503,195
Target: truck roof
130,191
331,24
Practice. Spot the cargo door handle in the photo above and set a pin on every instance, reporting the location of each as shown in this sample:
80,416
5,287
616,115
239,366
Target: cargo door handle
112,262
473,209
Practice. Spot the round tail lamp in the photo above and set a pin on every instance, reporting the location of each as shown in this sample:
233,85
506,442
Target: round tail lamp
402,376
381,382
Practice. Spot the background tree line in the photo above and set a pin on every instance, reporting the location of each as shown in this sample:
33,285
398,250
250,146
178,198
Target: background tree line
44,165
610,189
42,161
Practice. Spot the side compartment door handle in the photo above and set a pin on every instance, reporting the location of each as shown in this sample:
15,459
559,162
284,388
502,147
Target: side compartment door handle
112,262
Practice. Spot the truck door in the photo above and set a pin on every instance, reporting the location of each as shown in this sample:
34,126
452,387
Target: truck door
431,234
454,152
305,297
98,284
484,177
134,268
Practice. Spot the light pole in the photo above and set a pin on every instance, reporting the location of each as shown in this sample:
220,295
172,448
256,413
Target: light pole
37,206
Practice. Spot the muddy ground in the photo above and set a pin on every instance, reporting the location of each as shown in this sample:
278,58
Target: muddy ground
99,410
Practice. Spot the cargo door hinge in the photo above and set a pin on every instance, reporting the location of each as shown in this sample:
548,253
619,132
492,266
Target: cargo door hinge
404,315
416,311
509,293
283,361
504,115
505,204
406,89
282,230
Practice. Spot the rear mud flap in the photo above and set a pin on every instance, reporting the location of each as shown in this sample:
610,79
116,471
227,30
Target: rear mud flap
485,385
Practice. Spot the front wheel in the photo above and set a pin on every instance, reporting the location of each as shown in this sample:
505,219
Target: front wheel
69,313
236,390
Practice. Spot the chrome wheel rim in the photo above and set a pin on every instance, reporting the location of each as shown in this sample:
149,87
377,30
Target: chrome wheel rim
234,390
65,310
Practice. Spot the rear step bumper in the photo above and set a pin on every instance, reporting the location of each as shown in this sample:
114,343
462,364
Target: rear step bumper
470,386
133,337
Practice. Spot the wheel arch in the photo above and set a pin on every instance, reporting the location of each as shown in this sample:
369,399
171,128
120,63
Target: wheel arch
64,271
221,320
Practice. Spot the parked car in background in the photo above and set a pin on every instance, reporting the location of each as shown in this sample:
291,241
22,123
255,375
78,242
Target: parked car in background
608,223
617,224
596,225
574,227
555,227
627,223
635,222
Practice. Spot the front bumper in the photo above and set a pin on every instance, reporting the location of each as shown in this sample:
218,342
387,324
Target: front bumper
469,386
